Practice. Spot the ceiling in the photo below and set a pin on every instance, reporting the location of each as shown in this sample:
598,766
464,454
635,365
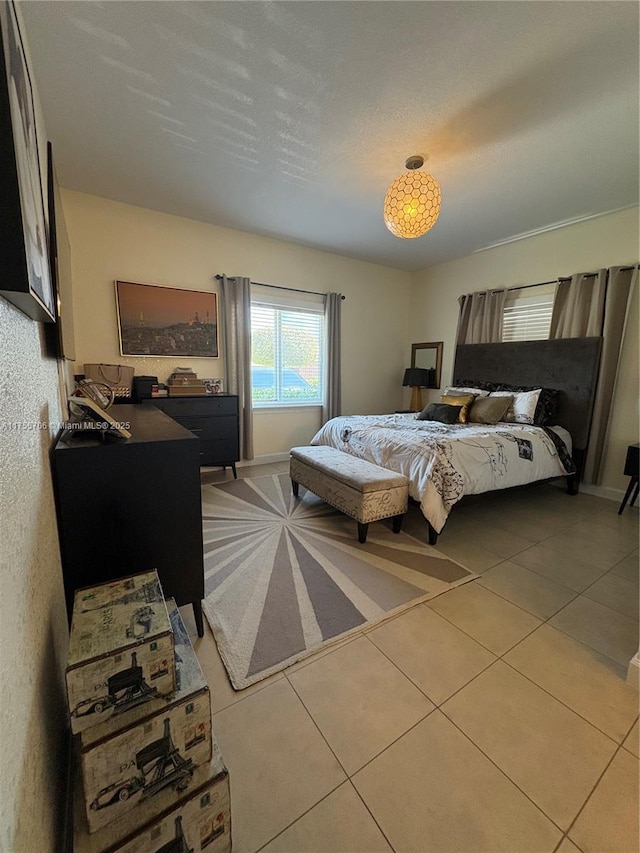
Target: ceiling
290,119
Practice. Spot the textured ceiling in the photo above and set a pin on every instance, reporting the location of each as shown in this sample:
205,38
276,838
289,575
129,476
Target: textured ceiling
291,119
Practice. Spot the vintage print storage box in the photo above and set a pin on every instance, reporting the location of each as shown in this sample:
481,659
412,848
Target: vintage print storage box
198,821
120,650
160,749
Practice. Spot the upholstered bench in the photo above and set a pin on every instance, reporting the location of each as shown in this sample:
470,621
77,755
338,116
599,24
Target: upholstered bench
354,486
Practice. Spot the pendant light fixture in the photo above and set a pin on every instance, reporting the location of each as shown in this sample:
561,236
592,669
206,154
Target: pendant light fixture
412,202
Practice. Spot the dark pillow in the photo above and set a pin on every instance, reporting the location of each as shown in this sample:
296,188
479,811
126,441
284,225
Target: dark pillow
441,412
489,410
547,408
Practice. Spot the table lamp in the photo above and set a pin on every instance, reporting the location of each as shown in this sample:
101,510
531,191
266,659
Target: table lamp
416,378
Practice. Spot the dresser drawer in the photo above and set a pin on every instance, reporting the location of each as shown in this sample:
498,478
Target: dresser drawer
212,419
225,426
197,406
219,452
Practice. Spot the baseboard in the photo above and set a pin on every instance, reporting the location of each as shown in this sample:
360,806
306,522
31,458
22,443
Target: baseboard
603,492
633,673
265,459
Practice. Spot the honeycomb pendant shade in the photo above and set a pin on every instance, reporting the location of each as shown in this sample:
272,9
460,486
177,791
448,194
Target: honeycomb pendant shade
412,203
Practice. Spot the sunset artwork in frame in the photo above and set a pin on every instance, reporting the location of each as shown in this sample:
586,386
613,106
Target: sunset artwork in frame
166,321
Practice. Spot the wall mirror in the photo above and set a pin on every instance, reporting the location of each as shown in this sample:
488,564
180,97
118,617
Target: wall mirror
429,357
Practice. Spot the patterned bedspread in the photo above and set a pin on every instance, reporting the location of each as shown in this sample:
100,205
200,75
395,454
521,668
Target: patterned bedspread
445,462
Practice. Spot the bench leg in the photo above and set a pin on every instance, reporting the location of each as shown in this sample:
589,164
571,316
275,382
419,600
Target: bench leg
397,523
362,532
295,486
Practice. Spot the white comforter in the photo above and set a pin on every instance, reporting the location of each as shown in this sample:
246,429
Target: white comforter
443,462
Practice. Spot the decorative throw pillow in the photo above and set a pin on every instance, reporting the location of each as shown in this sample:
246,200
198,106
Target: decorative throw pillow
547,408
441,412
464,400
523,408
489,410
455,389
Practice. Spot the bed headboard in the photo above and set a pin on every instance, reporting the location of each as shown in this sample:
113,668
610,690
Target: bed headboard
568,364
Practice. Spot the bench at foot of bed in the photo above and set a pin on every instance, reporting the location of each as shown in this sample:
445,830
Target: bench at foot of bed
356,487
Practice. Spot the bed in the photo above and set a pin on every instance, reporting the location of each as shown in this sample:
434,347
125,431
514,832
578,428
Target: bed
446,462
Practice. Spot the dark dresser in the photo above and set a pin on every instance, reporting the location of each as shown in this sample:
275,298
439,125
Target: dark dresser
213,419
130,505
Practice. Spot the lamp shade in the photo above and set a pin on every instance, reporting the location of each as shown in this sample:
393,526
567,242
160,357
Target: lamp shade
412,204
416,377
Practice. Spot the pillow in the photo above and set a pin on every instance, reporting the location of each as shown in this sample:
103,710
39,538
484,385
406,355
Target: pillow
464,400
489,410
441,412
547,407
455,389
523,408
474,383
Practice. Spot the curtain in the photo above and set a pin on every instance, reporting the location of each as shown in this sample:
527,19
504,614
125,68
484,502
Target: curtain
331,406
481,314
578,308
619,289
594,305
235,299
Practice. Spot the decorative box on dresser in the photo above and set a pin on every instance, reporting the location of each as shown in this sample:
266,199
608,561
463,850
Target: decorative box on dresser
213,419
132,505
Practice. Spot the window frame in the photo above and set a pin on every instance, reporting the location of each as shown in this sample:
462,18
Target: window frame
528,307
282,305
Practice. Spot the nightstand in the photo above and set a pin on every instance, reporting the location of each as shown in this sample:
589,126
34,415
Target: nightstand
631,469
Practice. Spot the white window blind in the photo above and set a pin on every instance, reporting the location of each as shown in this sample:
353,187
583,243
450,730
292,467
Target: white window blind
287,358
527,313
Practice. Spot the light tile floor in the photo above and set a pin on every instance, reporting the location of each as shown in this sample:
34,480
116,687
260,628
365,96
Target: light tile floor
493,718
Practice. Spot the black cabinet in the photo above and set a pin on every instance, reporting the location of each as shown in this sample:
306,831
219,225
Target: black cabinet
213,419
130,505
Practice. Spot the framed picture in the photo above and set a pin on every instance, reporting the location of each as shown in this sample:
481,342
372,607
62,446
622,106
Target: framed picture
214,386
166,321
26,276
60,266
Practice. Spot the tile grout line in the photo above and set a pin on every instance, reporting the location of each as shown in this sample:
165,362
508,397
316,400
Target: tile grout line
526,636
417,686
592,791
515,669
501,771
343,768
289,825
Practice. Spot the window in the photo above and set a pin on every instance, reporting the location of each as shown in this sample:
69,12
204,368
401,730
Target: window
287,352
527,313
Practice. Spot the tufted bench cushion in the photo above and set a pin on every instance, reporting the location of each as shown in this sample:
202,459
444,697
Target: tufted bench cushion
354,486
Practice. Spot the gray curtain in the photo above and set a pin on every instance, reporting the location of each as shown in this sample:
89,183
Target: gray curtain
616,305
480,320
332,405
578,308
594,305
235,299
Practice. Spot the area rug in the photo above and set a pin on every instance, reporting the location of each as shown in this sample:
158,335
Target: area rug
285,576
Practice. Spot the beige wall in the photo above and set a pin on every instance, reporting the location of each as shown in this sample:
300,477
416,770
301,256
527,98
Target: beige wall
112,241
33,624
602,242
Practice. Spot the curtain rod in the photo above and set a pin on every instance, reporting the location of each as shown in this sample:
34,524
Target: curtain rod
565,278
278,287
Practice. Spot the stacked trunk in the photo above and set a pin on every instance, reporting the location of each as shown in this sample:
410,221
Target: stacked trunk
149,775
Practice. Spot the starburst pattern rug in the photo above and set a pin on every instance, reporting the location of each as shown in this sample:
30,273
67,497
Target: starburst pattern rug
285,576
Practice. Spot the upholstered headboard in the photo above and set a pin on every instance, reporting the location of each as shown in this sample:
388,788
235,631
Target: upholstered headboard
567,364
